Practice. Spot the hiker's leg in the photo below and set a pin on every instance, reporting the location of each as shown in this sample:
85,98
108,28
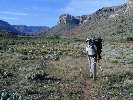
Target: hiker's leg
91,66
94,73
94,67
88,68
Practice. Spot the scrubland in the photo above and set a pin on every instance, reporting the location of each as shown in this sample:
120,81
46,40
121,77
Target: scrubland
54,68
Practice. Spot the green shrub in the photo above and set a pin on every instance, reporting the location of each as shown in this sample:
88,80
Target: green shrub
129,38
131,62
115,61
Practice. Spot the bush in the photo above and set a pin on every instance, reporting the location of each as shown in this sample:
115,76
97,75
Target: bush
129,38
130,62
115,61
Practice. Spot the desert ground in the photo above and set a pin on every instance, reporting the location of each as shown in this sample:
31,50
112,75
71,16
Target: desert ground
55,68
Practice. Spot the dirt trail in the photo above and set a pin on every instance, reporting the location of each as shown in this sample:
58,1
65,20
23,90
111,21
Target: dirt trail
87,95
87,83
87,86
90,88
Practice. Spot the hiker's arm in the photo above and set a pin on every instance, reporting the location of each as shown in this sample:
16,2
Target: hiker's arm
86,49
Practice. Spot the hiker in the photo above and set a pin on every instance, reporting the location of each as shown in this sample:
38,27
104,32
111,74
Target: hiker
93,49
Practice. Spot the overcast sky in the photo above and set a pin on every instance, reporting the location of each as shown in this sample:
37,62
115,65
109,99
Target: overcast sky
46,12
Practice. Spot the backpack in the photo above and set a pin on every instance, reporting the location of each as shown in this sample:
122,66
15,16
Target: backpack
98,43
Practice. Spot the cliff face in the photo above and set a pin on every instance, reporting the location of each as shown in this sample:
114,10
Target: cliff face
99,14
69,19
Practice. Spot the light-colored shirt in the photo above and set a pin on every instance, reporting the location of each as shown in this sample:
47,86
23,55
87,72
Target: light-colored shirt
91,50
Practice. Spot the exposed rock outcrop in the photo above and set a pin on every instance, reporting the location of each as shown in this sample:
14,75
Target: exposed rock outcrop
82,19
69,19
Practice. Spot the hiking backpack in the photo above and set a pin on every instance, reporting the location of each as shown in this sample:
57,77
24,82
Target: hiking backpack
98,43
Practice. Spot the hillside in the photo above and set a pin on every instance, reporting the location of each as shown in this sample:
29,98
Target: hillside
103,22
108,21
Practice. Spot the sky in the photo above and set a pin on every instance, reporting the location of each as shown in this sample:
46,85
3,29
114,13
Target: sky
47,12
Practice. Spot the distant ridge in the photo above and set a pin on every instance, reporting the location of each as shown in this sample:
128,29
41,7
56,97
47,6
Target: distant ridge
6,27
31,30
23,30
7,30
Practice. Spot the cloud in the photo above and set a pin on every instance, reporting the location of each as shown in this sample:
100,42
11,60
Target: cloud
13,13
80,7
8,18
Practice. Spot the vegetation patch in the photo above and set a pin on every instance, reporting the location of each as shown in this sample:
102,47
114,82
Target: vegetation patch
115,61
118,86
55,68
129,39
